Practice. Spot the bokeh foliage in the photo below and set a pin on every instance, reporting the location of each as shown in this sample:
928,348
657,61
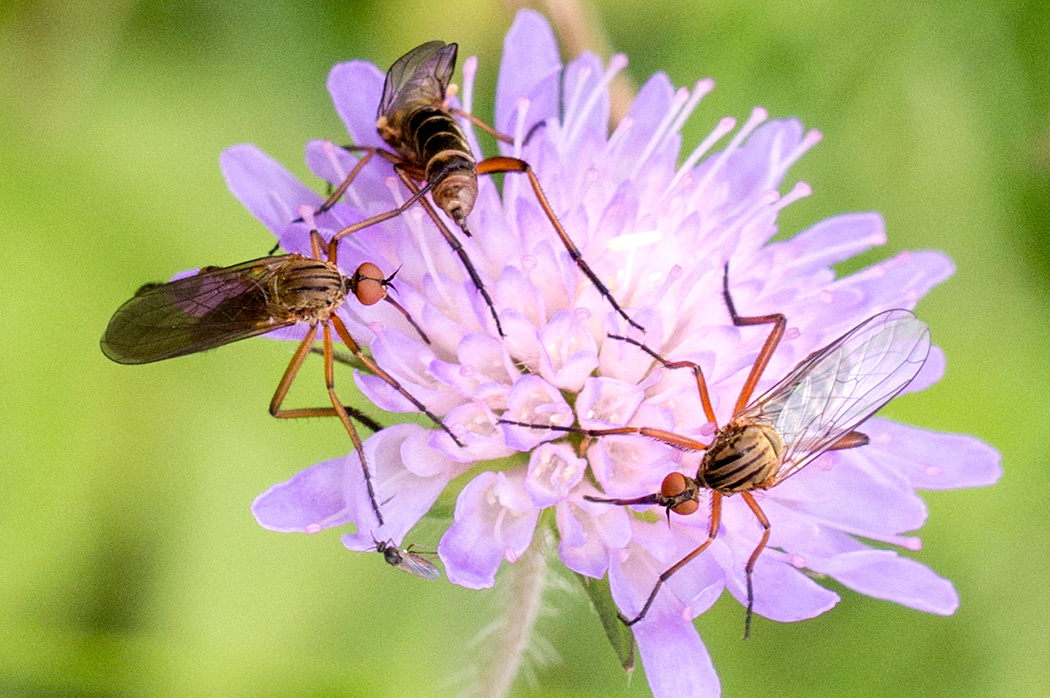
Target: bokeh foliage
129,562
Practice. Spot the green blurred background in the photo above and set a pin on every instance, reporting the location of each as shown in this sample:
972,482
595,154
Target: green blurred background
130,564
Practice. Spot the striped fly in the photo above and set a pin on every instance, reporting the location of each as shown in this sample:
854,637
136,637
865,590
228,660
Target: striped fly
220,305
416,120
816,408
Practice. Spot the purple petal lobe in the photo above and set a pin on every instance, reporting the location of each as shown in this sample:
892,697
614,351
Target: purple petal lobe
781,591
530,68
676,662
830,241
554,469
885,575
493,520
356,88
589,534
849,498
408,478
932,460
313,499
264,187
533,400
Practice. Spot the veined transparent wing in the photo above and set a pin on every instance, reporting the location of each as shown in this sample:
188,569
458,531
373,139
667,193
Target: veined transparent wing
838,387
421,75
408,561
214,307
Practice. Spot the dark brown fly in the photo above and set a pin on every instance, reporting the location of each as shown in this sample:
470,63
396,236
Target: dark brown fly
815,408
415,120
407,560
219,305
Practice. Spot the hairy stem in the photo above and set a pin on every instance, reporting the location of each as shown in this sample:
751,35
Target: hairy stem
510,639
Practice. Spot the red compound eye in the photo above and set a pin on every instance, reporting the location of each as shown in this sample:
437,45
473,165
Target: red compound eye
687,507
673,485
368,284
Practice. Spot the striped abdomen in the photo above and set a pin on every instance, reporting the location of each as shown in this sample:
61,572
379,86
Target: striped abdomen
307,289
440,149
741,458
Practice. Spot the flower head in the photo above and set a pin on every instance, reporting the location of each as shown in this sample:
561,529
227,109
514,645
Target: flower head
659,234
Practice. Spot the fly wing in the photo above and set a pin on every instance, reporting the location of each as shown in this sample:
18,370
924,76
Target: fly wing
418,565
838,387
207,310
421,75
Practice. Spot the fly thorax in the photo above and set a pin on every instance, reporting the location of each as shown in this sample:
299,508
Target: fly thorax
741,458
390,131
308,290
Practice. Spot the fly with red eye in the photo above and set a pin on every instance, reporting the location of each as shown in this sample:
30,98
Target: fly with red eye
415,120
220,305
816,408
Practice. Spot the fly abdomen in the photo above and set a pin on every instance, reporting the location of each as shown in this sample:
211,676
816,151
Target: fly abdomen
446,160
741,459
433,131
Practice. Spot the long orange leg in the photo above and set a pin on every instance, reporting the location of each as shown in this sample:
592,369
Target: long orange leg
504,164
498,135
454,243
345,184
779,323
355,414
716,517
316,240
701,384
372,366
667,437
336,410
750,567
329,379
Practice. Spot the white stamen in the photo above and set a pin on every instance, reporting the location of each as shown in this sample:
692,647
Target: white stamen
307,214
810,139
413,219
519,126
724,126
331,151
701,89
617,137
669,278
617,63
631,242
910,542
571,105
758,115
755,214
313,528
682,107
470,69
800,191
681,96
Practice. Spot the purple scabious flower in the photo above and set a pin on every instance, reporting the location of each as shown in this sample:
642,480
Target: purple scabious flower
657,229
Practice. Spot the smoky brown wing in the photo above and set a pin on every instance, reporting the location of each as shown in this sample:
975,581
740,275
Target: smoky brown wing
834,390
421,75
214,307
